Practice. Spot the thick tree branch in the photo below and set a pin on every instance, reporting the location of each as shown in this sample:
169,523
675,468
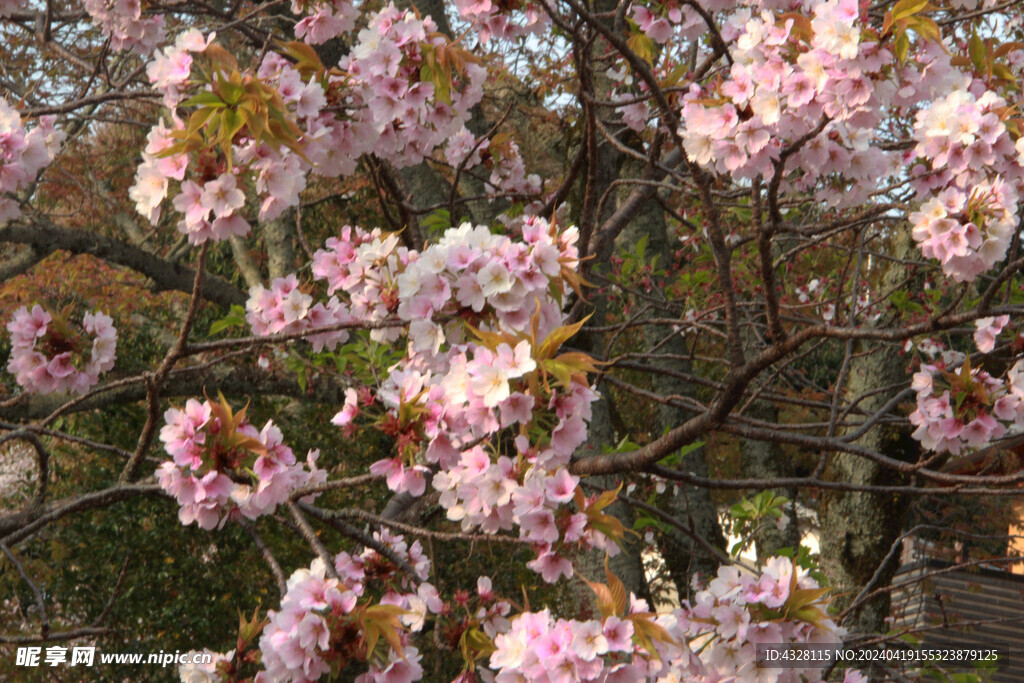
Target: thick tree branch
166,276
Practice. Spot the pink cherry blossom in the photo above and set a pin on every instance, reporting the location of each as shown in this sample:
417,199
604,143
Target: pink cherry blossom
988,330
209,488
36,334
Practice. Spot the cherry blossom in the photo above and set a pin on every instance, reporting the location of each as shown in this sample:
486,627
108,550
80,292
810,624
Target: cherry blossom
497,20
376,99
206,672
23,153
988,330
123,21
328,20
50,354
482,405
452,390
213,451
318,622
285,308
966,408
728,618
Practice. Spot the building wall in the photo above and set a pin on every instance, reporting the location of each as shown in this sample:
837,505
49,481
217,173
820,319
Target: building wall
980,608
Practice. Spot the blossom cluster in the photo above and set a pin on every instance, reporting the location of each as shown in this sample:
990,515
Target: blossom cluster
987,330
327,610
667,20
738,610
408,115
23,153
465,149
323,614
508,173
730,617
401,91
362,264
493,19
508,170
967,408
123,22
212,210
49,354
769,97
211,204
818,84
324,20
212,449
284,309
197,671
319,624
171,67
971,213
540,647
478,309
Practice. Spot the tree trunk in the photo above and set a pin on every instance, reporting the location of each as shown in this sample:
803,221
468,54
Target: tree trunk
765,460
858,528
692,506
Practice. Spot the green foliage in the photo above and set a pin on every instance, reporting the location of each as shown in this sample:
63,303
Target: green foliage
676,459
636,268
750,515
235,318
436,222
901,299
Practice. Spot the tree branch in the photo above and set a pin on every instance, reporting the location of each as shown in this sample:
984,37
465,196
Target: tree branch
166,276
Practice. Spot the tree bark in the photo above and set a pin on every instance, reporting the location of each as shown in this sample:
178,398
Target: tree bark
857,528
692,506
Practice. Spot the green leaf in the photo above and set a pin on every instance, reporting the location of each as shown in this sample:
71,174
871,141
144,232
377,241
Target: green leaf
204,99
676,458
976,49
641,523
641,247
231,92
340,362
559,336
256,125
642,46
646,630
235,318
437,221
927,29
901,300
902,47
474,645
623,446
305,55
1004,72
298,366
675,75
605,499
427,73
385,621
906,8
199,118
562,372
233,122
